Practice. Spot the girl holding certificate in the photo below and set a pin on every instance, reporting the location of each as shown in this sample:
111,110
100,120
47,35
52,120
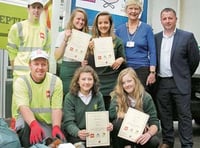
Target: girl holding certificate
103,27
84,96
129,92
78,20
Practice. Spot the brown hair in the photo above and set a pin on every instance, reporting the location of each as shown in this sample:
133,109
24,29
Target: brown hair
74,85
95,30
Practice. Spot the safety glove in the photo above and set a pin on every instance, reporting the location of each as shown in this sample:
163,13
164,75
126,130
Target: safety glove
37,133
56,132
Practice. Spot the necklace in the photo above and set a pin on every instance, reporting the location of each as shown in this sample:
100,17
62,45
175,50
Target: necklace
131,37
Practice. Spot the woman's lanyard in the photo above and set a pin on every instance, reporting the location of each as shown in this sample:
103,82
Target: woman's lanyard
130,42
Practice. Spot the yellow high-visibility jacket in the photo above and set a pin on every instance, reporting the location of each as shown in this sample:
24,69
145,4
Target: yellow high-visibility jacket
23,38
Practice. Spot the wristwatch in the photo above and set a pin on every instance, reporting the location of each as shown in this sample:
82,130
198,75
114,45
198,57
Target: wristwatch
152,72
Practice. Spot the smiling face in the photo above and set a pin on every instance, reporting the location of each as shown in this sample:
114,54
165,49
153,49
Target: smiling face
35,11
133,11
79,21
38,68
128,84
86,82
168,20
103,24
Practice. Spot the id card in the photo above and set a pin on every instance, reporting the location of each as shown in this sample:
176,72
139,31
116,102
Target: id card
130,44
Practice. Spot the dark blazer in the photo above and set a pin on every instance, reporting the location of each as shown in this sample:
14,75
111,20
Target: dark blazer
184,58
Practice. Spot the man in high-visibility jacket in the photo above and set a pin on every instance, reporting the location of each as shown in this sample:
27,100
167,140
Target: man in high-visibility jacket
27,36
37,99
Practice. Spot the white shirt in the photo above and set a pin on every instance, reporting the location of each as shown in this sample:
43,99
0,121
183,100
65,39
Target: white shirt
84,98
58,43
165,56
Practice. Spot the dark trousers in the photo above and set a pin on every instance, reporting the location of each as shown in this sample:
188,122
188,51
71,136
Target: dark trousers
24,135
167,97
143,73
118,142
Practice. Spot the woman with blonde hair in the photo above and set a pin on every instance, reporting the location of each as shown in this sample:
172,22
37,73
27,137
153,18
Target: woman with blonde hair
78,20
129,92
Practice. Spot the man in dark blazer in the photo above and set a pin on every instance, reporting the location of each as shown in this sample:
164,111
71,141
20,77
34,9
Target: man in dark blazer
178,58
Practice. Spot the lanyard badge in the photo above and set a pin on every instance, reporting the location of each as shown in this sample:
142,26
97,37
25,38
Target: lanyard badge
130,44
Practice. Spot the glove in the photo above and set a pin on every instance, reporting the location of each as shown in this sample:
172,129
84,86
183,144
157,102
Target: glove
12,124
37,133
56,132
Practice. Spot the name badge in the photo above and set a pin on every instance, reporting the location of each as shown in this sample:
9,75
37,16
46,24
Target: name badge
130,44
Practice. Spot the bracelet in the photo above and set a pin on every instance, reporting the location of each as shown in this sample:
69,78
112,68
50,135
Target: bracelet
152,72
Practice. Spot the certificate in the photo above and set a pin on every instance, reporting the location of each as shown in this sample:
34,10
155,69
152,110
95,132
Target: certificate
133,124
103,51
96,125
77,45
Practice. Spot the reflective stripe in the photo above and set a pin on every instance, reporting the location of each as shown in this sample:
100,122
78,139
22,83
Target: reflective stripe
21,44
12,45
52,86
21,67
19,26
41,110
28,49
29,87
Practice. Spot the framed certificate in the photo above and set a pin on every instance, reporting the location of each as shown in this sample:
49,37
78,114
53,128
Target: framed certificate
103,51
133,124
96,125
77,45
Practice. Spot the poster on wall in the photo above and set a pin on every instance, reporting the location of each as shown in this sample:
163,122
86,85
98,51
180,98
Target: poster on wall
112,6
115,7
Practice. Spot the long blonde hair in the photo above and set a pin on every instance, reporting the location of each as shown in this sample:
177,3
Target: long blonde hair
122,97
70,24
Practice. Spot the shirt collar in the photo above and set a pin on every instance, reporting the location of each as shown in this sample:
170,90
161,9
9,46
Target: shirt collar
165,36
82,95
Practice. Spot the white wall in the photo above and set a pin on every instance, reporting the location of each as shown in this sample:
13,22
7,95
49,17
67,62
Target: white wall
190,18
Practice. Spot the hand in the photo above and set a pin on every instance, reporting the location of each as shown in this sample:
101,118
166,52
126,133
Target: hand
110,127
144,138
67,35
91,45
37,133
83,134
151,79
56,132
117,63
84,63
